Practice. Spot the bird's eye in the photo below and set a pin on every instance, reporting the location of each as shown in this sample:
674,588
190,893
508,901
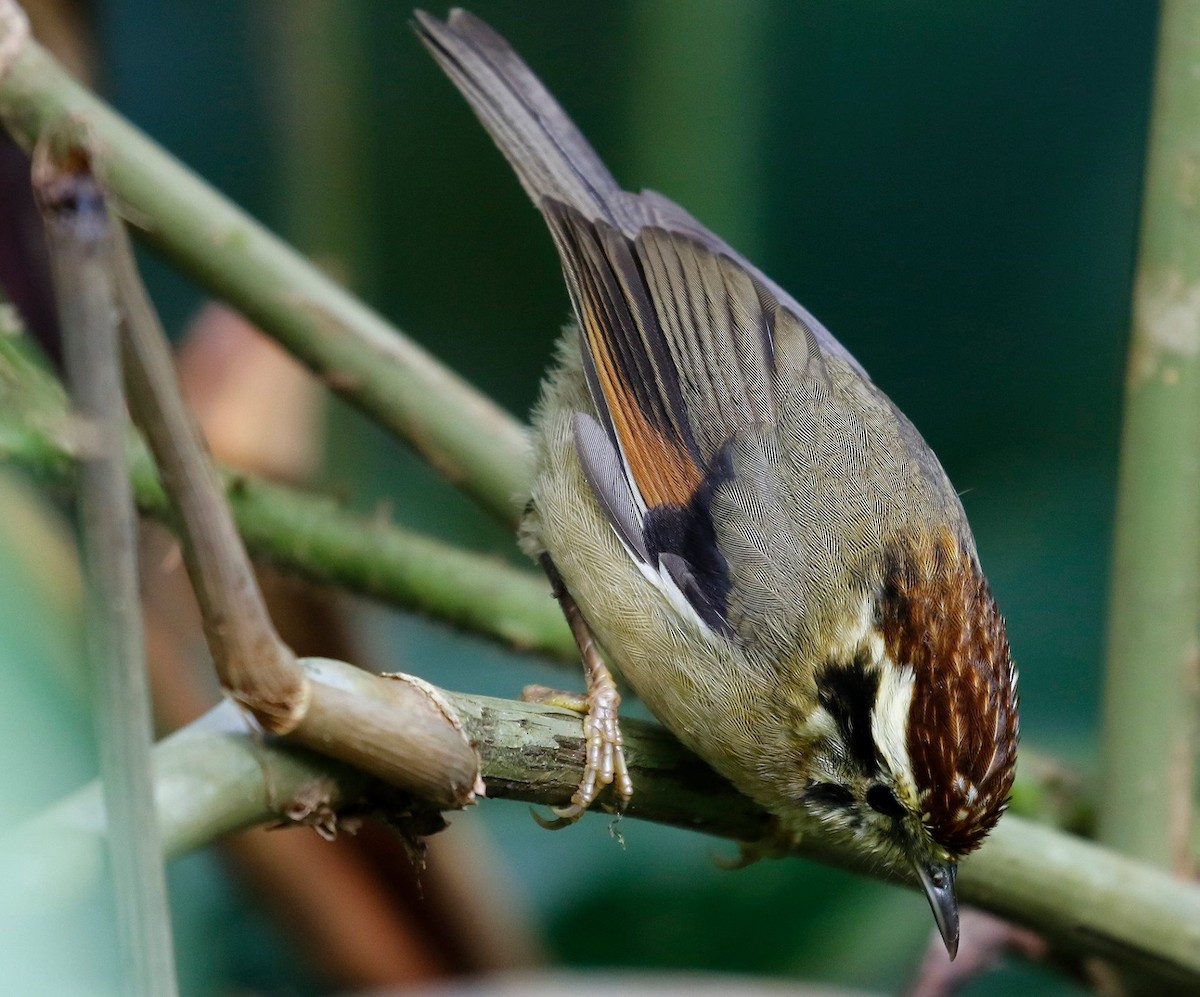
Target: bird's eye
882,799
829,794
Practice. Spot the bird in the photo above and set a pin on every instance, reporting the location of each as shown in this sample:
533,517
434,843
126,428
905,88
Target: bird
744,525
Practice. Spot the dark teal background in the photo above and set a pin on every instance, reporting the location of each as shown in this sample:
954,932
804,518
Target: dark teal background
951,188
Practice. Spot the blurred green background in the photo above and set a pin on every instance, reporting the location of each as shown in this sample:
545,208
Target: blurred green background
951,189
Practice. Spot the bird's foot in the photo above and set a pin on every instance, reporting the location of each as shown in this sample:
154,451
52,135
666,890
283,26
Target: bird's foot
604,755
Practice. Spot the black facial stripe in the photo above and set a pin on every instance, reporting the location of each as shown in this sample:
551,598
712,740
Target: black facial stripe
880,798
829,794
847,691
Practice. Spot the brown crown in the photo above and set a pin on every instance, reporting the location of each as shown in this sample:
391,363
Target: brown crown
937,616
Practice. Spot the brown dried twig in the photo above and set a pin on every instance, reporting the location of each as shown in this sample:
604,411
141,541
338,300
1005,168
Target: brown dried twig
430,755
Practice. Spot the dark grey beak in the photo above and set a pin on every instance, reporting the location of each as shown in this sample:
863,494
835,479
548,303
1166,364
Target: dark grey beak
938,880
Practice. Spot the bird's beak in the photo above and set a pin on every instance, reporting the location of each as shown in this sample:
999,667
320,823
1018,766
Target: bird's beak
938,880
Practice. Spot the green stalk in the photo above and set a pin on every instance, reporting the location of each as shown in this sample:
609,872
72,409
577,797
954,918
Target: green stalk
1150,716
1086,899
79,235
468,438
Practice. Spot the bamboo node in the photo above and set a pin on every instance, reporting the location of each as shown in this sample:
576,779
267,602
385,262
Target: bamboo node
446,709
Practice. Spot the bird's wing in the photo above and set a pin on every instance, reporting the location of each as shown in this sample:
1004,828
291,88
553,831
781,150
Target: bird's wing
679,336
678,347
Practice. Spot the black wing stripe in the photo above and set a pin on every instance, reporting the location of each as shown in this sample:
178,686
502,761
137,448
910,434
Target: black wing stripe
593,273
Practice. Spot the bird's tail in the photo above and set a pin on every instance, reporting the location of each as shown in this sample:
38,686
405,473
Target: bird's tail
551,158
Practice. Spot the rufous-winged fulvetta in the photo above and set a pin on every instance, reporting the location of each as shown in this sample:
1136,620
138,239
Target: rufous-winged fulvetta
762,543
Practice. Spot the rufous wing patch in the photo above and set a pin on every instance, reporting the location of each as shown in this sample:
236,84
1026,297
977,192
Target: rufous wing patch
659,462
633,380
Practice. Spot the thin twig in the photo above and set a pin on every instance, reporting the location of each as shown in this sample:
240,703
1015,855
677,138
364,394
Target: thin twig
79,233
253,664
465,435
429,753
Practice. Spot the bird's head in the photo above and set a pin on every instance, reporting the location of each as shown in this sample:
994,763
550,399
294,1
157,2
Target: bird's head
920,723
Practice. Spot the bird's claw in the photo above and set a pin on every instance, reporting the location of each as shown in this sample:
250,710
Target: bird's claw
604,754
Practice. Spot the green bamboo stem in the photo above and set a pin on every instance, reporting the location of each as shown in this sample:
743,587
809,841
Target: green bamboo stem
1086,899
307,534
466,436
1150,715
79,236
